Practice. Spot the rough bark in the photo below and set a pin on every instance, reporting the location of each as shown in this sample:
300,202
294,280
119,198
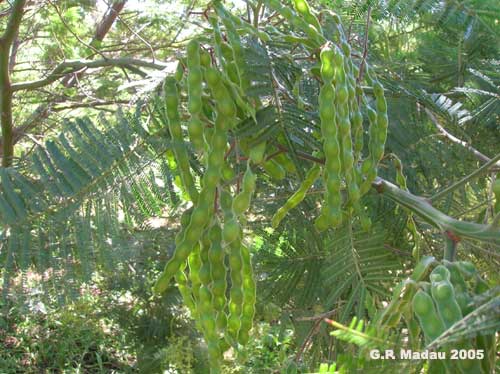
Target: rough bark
6,41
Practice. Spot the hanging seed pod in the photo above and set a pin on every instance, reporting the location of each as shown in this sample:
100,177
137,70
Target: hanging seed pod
216,256
241,202
195,89
174,126
249,297
311,177
333,200
430,322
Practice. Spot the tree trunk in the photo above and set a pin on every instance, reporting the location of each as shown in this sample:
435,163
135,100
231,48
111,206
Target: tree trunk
6,106
5,86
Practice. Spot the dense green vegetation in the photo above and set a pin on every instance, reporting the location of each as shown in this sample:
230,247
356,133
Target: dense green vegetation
249,187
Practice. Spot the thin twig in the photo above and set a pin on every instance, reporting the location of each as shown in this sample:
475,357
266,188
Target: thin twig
458,141
136,34
318,316
61,18
365,46
466,179
272,155
305,343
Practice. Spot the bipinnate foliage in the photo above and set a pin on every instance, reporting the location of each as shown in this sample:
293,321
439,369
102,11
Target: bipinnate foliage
72,204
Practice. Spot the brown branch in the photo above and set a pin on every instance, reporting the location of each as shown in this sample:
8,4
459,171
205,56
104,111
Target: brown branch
317,317
365,46
72,66
13,52
107,21
91,104
6,91
14,22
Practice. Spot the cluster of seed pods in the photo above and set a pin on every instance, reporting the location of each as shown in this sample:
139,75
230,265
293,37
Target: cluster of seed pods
434,298
341,103
211,265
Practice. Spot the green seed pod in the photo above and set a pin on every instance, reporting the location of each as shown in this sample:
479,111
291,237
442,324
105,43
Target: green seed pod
440,273
311,177
195,76
228,173
257,152
431,324
226,202
172,101
305,11
447,306
402,294
205,59
201,213
342,98
308,25
321,222
227,51
206,267
327,68
232,72
461,293
194,261
423,268
394,320
231,231
182,251
414,331
275,170
224,102
179,72
241,203
216,257
236,292
209,331
467,269
357,131
212,77
496,192
286,163
331,146
185,291
249,180
235,42
195,131
400,177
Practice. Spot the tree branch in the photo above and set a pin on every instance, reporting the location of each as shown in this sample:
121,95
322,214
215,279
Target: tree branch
74,65
365,46
464,180
458,141
91,104
6,91
425,210
107,21
14,21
